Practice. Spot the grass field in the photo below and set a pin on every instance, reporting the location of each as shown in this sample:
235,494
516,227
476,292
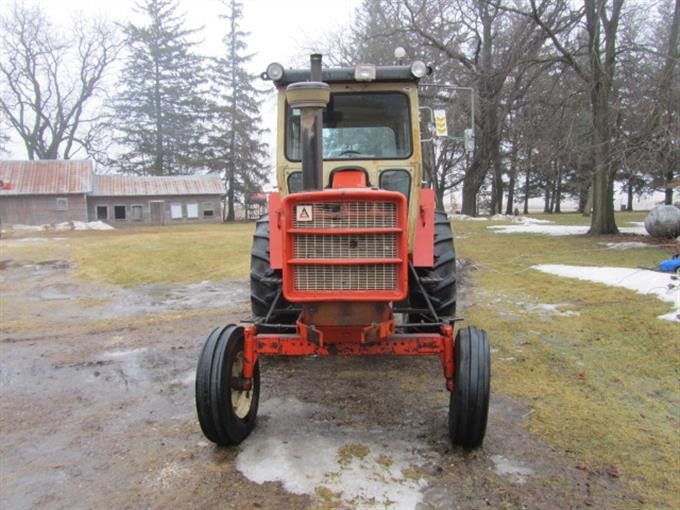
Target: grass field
603,384
600,375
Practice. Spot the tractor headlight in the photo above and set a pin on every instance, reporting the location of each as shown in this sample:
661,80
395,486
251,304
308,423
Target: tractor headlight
364,72
418,69
275,71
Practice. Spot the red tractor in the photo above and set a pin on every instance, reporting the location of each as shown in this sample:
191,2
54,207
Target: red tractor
353,240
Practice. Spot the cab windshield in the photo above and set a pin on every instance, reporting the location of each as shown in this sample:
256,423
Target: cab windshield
358,126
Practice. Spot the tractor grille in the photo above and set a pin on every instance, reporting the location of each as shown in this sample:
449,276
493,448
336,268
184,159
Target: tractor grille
345,246
346,277
351,215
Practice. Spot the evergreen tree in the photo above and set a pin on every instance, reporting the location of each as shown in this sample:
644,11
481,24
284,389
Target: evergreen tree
235,144
160,110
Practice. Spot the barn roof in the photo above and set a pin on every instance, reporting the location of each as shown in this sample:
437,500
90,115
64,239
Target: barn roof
126,185
44,177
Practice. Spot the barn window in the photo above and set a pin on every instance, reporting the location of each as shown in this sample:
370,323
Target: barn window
136,213
62,204
176,211
192,210
102,212
119,212
208,209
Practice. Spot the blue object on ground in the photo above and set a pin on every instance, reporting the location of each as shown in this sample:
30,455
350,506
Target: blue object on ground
670,265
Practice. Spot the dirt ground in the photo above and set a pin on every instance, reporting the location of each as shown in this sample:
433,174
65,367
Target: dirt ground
97,411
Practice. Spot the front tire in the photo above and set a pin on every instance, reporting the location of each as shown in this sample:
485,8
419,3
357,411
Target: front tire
469,401
226,414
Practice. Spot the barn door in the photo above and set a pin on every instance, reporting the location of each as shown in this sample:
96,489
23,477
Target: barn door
157,212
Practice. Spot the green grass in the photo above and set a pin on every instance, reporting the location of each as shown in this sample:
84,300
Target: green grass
157,255
602,385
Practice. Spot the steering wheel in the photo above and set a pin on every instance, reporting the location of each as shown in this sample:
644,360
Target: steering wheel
348,152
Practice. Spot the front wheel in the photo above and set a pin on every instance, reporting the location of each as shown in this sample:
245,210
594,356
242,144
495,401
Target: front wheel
469,403
226,413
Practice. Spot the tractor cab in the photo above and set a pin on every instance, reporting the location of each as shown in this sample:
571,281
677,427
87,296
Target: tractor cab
370,125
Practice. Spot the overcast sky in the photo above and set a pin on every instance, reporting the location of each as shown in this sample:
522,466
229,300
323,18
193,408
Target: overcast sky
280,30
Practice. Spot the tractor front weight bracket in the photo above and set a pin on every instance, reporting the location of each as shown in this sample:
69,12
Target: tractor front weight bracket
349,341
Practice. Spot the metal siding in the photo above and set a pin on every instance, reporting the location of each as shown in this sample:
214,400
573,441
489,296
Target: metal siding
46,177
125,185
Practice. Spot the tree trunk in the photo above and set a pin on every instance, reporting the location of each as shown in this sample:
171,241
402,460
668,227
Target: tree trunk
511,195
602,220
629,206
602,65
511,181
470,190
558,191
497,187
526,191
668,193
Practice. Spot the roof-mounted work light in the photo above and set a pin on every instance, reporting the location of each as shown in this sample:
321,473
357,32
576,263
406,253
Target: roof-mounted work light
418,69
364,72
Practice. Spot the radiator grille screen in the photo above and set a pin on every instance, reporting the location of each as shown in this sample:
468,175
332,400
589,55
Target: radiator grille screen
345,246
350,215
346,277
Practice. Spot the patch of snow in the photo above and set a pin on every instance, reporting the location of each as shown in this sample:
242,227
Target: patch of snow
552,309
641,281
557,230
126,353
465,217
626,245
91,225
63,226
28,228
29,240
642,231
511,469
519,219
535,221
295,445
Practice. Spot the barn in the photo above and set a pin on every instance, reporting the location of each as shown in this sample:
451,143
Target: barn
47,191
56,191
127,200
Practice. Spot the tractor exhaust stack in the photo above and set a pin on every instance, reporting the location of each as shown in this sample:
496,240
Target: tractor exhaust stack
311,97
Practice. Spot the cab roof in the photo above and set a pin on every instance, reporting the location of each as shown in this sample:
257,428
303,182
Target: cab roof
346,75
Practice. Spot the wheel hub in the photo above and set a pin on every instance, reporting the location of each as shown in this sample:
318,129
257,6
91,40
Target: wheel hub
241,400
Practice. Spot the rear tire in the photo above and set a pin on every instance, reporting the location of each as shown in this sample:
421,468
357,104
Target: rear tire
442,290
226,415
265,282
469,401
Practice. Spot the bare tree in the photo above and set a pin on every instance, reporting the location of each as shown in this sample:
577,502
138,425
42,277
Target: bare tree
50,80
479,44
594,61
